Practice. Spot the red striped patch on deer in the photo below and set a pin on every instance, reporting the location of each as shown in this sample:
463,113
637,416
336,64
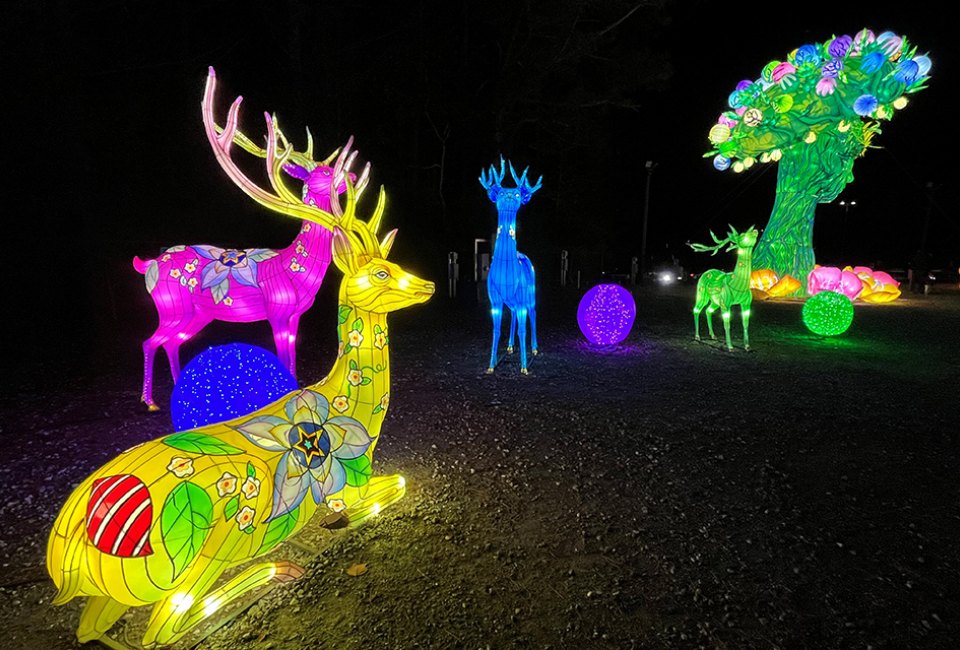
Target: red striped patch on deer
119,514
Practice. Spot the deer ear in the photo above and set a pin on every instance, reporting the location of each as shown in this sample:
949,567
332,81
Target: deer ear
387,243
343,254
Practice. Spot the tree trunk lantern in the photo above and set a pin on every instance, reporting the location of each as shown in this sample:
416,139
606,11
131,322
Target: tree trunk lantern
815,113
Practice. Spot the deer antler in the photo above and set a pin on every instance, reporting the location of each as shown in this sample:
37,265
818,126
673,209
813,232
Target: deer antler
492,182
355,228
283,201
304,159
720,243
523,184
300,164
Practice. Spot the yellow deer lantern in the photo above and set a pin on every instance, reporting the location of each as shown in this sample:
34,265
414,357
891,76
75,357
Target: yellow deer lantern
159,524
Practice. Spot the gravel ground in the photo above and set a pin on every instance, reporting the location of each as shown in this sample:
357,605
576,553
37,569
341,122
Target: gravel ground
661,494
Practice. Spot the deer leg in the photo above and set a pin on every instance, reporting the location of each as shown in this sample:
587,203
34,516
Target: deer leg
725,314
98,616
149,352
533,331
745,317
172,348
522,326
710,311
281,341
292,328
497,314
381,492
513,331
176,614
184,333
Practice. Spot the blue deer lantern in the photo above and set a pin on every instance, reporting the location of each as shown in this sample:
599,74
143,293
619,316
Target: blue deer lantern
511,280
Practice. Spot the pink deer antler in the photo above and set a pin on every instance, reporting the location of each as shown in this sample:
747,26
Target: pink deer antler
194,285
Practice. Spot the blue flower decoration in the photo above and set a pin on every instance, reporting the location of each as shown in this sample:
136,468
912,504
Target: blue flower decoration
872,62
865,105
227,263
924,62
316,449
734,100
807,55
907,72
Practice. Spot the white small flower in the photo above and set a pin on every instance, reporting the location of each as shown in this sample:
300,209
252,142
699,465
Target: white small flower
181,467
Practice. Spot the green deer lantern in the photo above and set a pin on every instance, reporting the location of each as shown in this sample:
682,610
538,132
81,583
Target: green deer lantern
719,290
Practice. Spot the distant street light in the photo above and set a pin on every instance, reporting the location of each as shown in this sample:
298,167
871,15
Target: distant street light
650,166
846,205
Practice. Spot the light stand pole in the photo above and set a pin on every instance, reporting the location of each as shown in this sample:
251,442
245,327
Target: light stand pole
650,166
846,205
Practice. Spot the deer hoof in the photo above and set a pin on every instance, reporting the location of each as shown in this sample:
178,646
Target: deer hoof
696,338
153,408
536,351
489,371
524,371
287,572
509,349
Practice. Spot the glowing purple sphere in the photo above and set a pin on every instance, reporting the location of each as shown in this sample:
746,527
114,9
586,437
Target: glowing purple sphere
606,314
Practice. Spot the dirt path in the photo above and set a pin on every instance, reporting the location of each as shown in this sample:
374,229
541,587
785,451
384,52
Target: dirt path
663,494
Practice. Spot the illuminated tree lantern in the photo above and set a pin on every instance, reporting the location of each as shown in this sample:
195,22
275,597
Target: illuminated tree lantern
815,112
606,314
225,382
828,313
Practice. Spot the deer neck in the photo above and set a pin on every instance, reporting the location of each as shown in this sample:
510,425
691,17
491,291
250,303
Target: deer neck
309,255
506,243
740,279
359,383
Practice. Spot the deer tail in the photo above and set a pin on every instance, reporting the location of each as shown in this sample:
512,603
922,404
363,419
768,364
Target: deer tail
142,265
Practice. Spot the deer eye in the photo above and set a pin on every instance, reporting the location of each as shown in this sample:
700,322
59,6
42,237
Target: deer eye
382,275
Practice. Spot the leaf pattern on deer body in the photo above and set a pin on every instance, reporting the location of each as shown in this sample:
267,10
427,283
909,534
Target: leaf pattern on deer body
278,530
185,520
200,443
358,471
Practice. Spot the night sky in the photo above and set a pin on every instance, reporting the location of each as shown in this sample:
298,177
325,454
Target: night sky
107,159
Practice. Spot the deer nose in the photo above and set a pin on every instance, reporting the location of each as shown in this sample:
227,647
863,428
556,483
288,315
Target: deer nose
427,289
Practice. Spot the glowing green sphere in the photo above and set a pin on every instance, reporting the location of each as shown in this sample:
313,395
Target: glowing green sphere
828,313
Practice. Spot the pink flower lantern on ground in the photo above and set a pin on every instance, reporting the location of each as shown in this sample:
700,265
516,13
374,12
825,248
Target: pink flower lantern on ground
606,314
831,278
856,283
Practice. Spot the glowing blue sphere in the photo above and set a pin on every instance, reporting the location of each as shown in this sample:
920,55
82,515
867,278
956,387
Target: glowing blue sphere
225,382
606,314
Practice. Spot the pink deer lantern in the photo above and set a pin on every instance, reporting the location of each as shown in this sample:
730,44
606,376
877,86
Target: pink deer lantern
194,285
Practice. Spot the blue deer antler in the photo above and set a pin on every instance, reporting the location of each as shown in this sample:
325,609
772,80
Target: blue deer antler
526,190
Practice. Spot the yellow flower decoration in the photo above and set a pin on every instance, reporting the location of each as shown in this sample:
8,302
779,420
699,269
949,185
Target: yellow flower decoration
227,484
181,467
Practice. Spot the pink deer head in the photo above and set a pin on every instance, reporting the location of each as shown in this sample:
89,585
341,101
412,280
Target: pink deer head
196,284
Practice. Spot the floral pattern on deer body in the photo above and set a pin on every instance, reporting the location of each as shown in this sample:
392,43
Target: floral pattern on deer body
314,449
248,489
